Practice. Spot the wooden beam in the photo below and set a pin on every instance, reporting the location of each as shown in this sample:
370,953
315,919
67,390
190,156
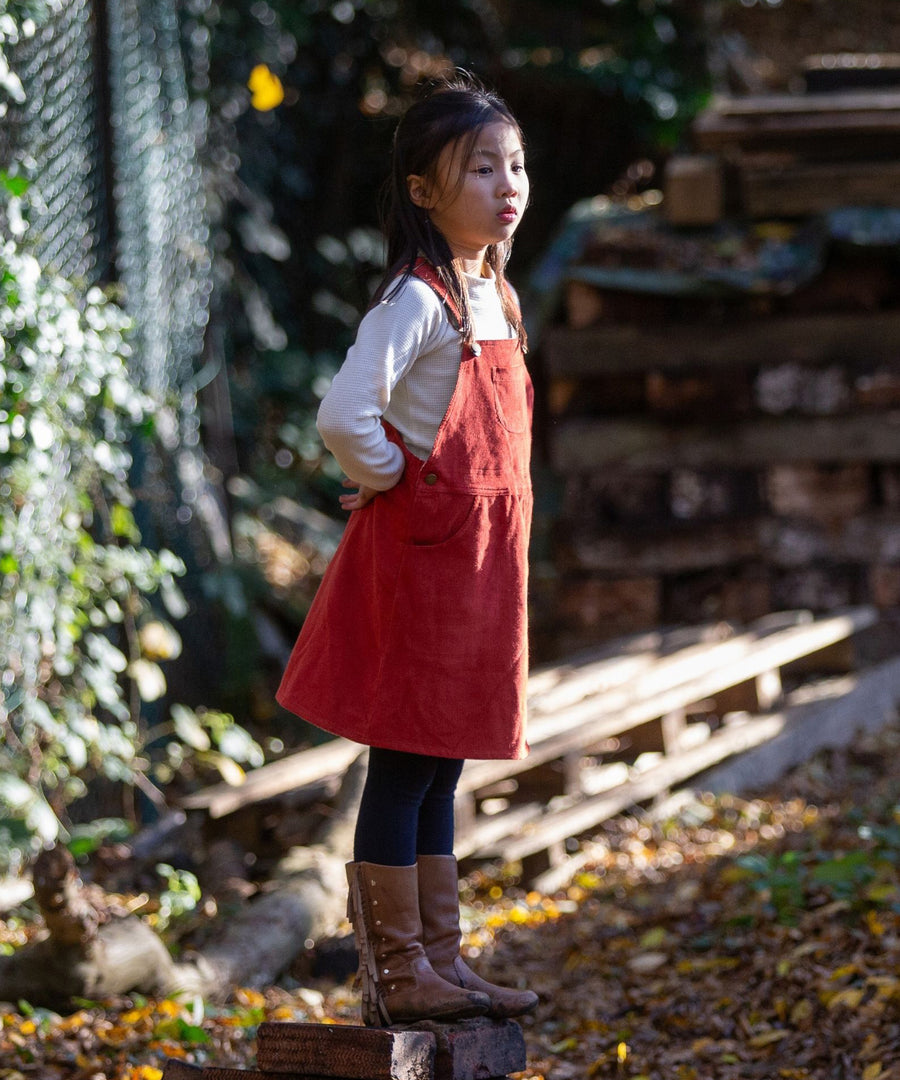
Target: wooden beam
804,339
580,445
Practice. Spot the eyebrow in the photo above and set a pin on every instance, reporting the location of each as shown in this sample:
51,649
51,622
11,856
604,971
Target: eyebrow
494,154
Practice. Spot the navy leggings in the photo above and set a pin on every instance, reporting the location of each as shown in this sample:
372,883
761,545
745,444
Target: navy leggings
406,808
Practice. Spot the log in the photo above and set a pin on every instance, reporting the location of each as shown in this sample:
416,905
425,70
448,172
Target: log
91,951
87,949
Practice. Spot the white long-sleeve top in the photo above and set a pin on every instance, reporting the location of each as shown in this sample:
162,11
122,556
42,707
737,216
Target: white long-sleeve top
403,366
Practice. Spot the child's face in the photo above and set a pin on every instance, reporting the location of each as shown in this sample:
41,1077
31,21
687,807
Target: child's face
478,201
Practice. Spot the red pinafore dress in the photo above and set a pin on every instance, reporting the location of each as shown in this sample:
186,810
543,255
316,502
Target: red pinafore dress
417,637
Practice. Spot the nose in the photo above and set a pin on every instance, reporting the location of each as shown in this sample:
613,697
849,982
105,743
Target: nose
509,184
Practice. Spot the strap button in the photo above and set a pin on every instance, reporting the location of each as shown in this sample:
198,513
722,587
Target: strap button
431,478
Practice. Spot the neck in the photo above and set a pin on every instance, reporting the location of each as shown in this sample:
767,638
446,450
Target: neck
472,262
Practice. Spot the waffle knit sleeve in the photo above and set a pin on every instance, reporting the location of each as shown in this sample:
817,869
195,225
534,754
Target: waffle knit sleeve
391,337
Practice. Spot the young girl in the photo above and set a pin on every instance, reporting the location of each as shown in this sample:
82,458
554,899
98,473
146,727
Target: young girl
416,642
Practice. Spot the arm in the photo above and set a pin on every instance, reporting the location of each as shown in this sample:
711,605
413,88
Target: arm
389,339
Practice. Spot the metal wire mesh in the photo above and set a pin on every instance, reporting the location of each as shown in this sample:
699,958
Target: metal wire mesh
58,128
111,137
162,243
159,250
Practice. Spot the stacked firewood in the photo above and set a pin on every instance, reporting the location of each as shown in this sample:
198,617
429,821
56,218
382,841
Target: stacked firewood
722,374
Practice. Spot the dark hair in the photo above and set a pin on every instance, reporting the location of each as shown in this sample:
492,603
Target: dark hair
448,110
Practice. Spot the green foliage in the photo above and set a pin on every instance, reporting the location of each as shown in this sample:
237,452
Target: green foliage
73,579
180,896
792,882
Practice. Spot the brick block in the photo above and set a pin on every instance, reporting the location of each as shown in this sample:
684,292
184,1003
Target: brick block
476,1049
468,1050
180,1070
346,1052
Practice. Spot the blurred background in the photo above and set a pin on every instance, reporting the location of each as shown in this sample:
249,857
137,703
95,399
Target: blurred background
189,220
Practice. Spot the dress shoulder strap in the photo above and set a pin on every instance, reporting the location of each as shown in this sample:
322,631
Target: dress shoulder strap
427,273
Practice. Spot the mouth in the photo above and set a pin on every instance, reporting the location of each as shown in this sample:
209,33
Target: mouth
508,214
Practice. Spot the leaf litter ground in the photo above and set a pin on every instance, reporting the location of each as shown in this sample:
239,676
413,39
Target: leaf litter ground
737,938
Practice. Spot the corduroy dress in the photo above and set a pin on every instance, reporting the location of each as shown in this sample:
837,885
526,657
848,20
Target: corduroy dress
417,637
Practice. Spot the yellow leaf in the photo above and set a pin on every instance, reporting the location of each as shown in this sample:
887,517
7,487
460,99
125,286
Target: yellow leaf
149,1072
839,973
252,999
872,1072
652,939
851,997
801,1011
266,89
876,926
766,1038
621,1052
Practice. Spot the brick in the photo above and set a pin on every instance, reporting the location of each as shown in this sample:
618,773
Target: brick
180,1070
468,1050
476,1049
345,1051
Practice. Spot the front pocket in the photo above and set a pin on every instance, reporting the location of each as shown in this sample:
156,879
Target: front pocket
440,517
511,397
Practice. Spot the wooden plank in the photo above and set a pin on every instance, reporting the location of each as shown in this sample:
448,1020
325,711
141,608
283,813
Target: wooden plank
583,445
287,774
805,339
672,684
801,189
562,822
347,1052
776,119
486,830
844,101
674,549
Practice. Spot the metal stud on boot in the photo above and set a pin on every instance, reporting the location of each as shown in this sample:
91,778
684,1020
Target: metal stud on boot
439,910
398,983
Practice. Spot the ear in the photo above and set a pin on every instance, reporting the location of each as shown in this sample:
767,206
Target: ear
420,192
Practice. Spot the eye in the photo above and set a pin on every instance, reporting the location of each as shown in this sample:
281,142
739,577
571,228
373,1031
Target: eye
483,170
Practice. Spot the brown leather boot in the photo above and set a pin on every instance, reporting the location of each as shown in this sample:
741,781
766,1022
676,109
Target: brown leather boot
398,983
439,909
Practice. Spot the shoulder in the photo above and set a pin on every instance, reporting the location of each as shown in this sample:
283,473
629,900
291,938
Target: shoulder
410,309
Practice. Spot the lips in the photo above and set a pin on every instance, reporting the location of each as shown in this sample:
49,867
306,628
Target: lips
508,213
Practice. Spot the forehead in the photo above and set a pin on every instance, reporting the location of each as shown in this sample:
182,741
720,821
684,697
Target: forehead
497,139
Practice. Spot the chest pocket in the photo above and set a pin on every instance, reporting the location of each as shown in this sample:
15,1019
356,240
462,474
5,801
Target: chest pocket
511,397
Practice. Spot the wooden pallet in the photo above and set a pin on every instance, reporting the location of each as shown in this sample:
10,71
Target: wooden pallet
637,697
